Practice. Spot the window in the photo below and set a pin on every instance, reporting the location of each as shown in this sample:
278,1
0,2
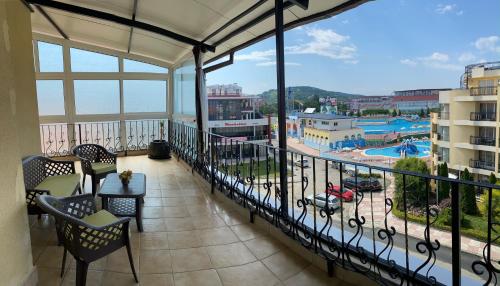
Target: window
97,96
145,95
50,57
135,66
86,61
184,89
50,94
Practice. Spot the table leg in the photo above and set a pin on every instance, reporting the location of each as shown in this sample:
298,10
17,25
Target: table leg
138,213
104,203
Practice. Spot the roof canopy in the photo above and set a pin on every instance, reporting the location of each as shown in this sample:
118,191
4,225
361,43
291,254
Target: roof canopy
226,25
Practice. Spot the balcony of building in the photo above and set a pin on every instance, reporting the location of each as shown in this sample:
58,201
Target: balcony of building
482,140
483,91
210,216
483,116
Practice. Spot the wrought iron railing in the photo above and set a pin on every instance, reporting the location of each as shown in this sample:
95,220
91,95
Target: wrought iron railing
484,90
483,116
373,234
482,140
480,164
58,139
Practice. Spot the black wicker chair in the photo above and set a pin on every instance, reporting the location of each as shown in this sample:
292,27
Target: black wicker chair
96,161
44,176
88,234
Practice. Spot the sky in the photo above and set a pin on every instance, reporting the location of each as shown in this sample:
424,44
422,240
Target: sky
379,47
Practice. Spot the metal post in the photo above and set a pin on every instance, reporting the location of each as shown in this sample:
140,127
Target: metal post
455,234
280,76
197,53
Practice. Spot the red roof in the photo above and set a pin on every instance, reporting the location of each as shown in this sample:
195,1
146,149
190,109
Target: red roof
416,98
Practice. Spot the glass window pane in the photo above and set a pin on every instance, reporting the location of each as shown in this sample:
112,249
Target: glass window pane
85,61
135,66
50,57
97,96
184,89
50,94
145,95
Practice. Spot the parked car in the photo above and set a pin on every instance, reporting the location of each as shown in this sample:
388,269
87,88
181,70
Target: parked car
300,163
362,184
345,194
320,201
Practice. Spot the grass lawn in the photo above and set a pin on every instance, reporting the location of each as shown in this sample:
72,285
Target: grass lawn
258,169
472,226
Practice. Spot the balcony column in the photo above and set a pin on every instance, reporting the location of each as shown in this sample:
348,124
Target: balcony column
19,136
198,54
280,76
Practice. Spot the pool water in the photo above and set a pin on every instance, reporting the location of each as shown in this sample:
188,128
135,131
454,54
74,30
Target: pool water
397,125
423,148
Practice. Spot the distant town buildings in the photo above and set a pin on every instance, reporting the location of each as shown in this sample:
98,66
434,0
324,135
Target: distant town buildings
465,129
329,130
406,101
417,99
233,114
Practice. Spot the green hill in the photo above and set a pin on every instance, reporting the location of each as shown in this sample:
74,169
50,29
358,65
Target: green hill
304,96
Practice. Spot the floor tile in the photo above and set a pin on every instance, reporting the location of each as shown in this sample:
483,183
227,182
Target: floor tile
251,274
195,278
154,240
183,239
179,224
263,247
246,231
312,276
118,279
190,259
156,280
155,261
285,264
215,236
229,255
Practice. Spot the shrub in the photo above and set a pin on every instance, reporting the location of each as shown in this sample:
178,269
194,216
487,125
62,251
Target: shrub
443,186
495,201
416,187
468,194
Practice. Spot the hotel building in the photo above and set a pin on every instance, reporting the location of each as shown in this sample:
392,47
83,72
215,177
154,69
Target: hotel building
465,130
233,114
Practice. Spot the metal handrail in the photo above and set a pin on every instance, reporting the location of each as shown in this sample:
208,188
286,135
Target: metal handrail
481,140
483,90
483,116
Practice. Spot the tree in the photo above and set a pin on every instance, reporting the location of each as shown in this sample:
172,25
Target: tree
358,114
468,194
495,200
443,186
421,114
428,111
415,187
394,113
399,112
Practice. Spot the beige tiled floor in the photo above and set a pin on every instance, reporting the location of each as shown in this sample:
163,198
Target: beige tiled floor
190,238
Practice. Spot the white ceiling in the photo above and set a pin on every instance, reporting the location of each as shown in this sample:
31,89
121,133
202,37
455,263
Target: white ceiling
192,18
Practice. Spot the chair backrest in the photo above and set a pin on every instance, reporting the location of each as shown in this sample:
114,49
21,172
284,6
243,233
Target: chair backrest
88,151
68,209
34,171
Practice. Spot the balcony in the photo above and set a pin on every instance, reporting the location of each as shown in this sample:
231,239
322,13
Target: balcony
485,165
480,140
443,137
444,115
483,116
483,91
226,212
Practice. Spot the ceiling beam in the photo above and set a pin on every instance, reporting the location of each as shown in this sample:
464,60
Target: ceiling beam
132,28
252,23
299,22
122,21
304,4
52,22
220,65
238,17
28,6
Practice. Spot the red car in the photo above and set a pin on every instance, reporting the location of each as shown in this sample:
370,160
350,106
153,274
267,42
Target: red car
345,195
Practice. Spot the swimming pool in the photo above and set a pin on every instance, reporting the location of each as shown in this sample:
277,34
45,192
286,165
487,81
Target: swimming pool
397,125
423,148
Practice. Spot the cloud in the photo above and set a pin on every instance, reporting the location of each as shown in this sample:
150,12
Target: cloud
466,58
408,62
345,22
320,42
256,56
460,13
327,43
488,44
273,63
443,9
436,60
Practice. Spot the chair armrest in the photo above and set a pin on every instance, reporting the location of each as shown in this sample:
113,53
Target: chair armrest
54,168
79,206
119,222
107,157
